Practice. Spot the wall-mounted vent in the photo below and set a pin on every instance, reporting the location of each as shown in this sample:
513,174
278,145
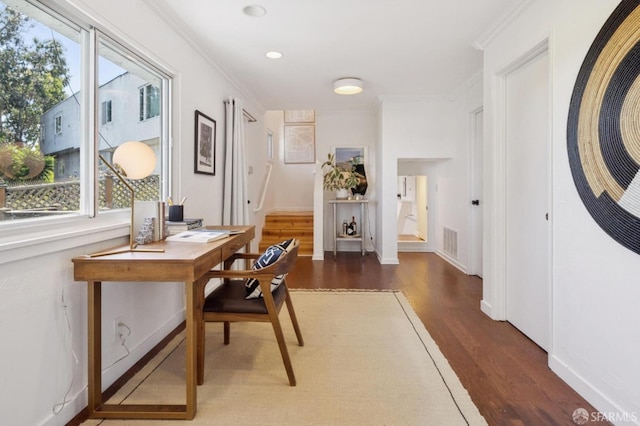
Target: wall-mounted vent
450,243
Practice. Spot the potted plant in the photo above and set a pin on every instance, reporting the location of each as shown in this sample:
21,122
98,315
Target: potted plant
338,177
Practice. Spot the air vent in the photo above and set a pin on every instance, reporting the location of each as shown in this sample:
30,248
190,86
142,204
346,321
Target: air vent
450,243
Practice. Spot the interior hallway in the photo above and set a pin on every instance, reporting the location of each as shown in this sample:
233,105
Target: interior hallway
505,373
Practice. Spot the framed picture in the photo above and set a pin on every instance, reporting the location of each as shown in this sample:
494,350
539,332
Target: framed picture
300,116
205,145
299,143
355,157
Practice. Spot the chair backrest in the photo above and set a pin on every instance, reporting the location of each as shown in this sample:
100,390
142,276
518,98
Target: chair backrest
285,262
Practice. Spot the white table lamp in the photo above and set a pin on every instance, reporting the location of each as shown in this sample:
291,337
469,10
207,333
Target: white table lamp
131,160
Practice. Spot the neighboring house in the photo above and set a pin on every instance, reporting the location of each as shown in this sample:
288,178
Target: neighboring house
129,110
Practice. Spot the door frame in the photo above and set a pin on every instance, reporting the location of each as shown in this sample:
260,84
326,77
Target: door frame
474,226
498,229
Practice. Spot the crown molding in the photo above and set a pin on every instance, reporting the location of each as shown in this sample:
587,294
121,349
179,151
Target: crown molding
506,19
161,9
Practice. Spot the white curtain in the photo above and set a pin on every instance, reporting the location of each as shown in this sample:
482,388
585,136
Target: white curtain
235,208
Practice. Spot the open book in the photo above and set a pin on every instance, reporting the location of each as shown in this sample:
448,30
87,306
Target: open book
199,236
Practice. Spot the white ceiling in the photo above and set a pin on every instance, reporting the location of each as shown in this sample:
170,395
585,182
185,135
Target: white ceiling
399,48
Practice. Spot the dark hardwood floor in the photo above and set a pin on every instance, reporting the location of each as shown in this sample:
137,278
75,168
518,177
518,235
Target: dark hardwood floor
505,373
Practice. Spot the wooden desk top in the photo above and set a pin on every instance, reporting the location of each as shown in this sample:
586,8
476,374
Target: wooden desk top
180,261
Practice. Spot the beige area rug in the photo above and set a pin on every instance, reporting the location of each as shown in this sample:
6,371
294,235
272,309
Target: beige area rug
367,360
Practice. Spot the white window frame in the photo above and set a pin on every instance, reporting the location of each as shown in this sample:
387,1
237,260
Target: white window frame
28,238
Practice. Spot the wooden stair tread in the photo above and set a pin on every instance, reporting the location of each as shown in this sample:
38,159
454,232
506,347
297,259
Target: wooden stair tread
280,225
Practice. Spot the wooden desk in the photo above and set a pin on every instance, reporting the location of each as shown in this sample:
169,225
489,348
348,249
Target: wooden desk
186,262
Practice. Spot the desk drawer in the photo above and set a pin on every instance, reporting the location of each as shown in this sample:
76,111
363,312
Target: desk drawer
237,242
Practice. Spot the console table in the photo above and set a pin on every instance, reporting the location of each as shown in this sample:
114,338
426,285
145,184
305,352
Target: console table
338,236
180,261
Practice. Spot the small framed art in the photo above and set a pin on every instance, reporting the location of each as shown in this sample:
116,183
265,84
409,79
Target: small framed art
300,116
205,144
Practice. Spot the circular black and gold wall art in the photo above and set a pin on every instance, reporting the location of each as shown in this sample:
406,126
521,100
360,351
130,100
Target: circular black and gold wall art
603,133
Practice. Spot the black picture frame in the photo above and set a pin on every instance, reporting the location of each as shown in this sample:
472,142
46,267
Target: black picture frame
205,144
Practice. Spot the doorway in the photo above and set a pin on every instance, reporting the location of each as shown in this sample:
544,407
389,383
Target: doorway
412,213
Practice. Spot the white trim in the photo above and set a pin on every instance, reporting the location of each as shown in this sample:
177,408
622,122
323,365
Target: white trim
49,236
165,13
503,21
451,260
471,165
588,391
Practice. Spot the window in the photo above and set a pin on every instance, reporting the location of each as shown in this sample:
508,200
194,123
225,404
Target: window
58,179
59,125
106,112
149,102
123,78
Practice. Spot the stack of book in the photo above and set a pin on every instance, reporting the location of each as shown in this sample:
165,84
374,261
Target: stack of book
185,225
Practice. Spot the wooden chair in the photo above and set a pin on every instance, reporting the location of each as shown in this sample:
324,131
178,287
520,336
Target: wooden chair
228,304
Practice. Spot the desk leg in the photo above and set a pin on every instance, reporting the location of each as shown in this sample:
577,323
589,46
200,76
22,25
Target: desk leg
200,284
94,349
191,361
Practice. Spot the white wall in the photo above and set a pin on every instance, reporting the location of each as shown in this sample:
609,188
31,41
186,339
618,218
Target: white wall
428,129
349,129
37,359
595,296
292,183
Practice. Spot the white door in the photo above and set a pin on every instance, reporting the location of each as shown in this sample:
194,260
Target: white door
527,178
477,201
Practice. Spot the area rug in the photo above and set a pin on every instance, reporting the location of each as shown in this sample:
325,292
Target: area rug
367,360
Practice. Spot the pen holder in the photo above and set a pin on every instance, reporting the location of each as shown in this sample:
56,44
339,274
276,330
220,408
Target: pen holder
176,213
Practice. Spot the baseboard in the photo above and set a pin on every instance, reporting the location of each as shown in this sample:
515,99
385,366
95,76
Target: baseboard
387,260
607,409
75,410
451,260
414,247
486,308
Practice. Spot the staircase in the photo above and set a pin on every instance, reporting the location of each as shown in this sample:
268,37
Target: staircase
279,226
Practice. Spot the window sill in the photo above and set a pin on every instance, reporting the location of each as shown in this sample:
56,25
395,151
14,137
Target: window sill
48,236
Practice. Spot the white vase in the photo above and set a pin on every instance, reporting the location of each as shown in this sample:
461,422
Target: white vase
342,194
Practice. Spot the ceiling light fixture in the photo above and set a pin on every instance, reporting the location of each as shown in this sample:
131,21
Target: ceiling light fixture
348,86
255,11
273,55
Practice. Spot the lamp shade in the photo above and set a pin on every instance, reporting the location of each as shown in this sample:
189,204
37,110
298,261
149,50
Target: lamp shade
135,159
347,86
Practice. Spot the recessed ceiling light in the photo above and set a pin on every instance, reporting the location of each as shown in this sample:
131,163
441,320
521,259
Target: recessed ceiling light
273,55
255,11
348,86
